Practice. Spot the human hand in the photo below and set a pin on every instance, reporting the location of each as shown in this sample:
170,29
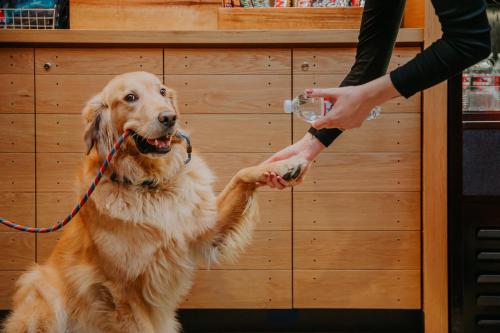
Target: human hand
308,147
351,105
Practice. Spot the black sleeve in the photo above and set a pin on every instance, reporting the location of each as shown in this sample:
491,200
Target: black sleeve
378,32
465,41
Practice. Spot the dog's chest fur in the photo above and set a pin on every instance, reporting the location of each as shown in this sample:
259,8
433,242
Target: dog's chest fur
148,236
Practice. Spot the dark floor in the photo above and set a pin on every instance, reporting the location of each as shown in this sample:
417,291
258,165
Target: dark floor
297,321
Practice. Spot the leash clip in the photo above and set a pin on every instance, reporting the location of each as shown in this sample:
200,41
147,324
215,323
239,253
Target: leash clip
189,149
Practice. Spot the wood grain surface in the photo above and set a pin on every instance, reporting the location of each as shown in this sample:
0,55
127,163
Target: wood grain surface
358,289
356,210
17,93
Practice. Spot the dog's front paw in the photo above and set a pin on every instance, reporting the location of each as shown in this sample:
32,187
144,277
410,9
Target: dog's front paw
289,169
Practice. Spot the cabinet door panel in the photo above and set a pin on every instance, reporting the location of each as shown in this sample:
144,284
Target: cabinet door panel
57,172
230,93
340,60
356,210
238,133
67,93
372,172
17,172
97,61
16,61
8,287
242,289
267,250
18,250
360,289
18,207
388,133
356,250
17,93
227,61
17,133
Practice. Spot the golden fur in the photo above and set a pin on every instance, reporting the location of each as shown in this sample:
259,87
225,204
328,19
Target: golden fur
127,260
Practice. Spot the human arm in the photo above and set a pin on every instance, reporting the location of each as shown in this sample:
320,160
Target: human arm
465,41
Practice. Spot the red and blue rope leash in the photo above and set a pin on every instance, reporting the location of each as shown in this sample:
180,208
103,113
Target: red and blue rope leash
83,201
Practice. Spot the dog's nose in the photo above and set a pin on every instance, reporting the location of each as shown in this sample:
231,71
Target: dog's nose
167,119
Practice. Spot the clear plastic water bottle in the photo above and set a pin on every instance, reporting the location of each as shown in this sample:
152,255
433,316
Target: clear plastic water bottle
480,92
466,89
496,85
311,109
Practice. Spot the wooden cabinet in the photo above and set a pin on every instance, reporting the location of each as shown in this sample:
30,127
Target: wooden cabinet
17,170
348,237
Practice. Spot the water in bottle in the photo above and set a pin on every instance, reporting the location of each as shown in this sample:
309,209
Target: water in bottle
311,109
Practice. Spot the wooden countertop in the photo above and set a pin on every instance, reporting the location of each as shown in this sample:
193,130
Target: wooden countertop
184,38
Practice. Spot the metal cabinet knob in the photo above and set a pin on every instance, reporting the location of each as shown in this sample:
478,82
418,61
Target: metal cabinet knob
305,66
47,66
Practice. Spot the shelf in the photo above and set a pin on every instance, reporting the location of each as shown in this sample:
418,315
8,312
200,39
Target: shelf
289,18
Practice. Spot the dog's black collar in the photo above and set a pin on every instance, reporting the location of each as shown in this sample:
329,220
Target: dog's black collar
148,183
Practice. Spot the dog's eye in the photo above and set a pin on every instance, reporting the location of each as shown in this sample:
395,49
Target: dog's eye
131,98
163,92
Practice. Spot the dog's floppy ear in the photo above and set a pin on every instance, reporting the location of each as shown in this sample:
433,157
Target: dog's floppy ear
98,130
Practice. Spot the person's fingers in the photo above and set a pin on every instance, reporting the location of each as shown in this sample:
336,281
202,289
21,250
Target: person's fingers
318,92
283,182
270,181
274,180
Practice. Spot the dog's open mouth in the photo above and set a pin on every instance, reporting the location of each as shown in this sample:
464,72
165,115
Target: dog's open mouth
159,145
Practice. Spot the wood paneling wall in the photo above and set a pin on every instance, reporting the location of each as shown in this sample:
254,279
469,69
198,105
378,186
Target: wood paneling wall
349,237
357,215
17,171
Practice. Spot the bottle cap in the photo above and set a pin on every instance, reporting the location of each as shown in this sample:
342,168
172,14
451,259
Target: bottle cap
288,106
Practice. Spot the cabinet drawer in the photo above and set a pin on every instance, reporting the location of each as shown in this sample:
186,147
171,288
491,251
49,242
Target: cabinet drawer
238,133
16,61
387,250
339,60
231,93
227,61
267,250
396,105
356,210
17,172
275,210
57,172
67,93
45,243
364,172
97,61
243,289
17,93
59,133
17,133
18,207
53,207
7,287
388,133
18,250
225,166
360,289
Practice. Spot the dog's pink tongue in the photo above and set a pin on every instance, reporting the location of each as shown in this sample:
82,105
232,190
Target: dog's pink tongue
160,143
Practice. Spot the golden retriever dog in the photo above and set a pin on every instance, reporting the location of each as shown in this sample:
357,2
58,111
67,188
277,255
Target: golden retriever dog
128,259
